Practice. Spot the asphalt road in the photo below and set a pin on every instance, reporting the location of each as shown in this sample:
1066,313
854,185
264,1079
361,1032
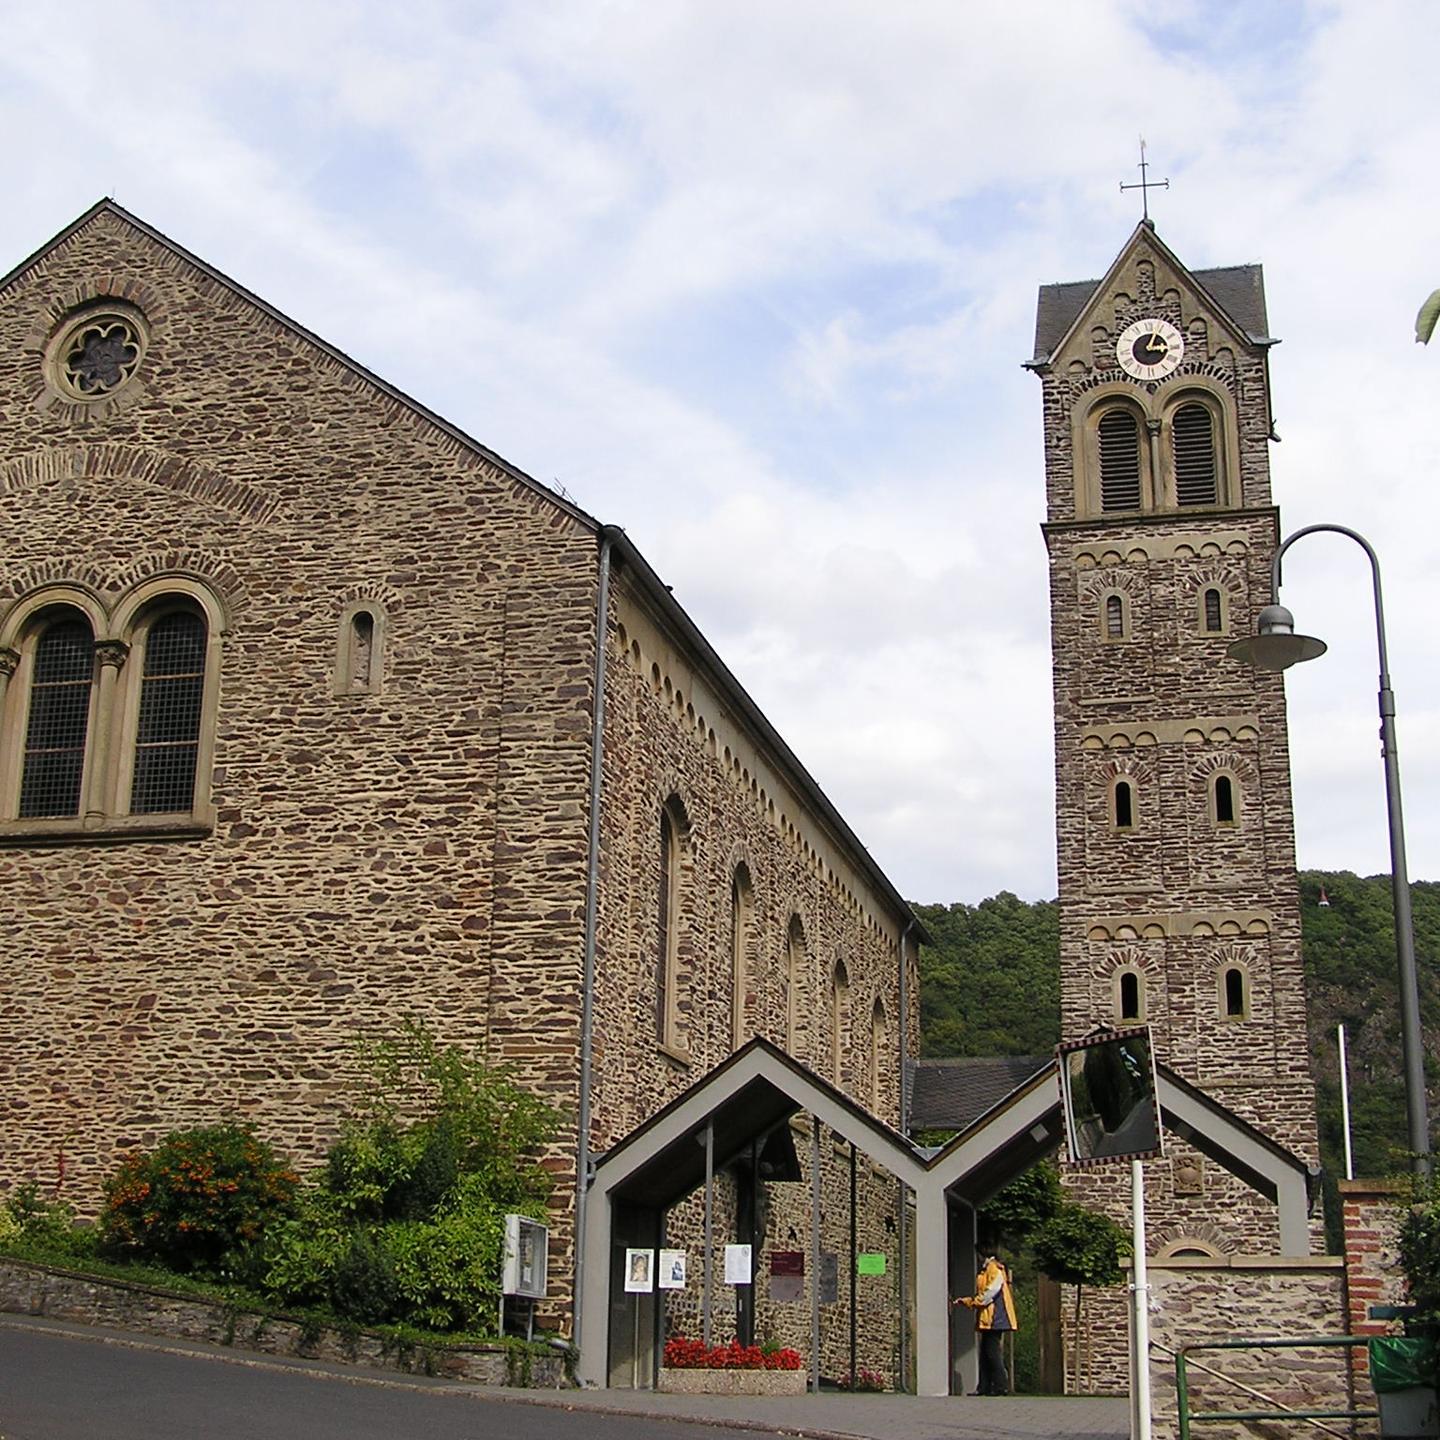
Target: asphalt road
60,1386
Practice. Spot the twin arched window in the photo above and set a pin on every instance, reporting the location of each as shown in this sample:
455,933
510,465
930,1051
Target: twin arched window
98,729
1187,458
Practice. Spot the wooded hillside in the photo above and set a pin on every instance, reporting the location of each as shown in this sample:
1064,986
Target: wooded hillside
990,986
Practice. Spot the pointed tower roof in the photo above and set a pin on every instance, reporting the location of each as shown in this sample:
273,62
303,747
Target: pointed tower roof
1237,292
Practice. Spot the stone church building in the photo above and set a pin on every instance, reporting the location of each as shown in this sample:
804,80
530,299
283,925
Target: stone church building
316,714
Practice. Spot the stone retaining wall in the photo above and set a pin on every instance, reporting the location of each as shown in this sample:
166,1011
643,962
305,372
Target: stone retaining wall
27,1289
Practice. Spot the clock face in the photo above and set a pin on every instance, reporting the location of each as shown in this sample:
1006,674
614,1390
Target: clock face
1150,349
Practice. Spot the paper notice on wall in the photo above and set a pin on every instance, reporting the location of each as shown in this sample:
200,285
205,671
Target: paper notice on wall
737,1265
869,1264
672,1270
639,1271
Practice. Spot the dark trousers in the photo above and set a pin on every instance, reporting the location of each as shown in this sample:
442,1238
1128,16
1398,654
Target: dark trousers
993,1379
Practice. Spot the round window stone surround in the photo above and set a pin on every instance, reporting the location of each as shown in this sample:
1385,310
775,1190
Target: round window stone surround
95,352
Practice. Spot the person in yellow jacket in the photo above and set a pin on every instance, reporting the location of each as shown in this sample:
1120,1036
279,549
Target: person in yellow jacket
994,1308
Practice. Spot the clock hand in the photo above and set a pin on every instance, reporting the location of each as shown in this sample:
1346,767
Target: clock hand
1156,343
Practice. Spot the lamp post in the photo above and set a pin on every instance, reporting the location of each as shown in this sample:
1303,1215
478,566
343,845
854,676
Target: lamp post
1276,646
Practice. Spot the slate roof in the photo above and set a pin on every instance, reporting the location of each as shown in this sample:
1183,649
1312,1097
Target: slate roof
951,1094
1239,290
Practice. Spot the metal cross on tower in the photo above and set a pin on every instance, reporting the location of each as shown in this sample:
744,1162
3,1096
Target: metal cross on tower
1145,185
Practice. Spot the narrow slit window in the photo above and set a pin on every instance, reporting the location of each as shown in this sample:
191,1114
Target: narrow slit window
1114,618
1192,436
1129,995
167,737
59,721
1235,1006
1224,800
741,905
362,649
1119,461
1124,806
1213,613
665,957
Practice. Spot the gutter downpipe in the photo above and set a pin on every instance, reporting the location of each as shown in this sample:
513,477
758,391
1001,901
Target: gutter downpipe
900,1219
592,904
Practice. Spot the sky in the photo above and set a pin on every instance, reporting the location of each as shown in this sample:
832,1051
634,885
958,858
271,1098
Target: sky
755,280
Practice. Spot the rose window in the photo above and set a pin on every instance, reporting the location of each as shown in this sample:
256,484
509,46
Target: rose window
101,355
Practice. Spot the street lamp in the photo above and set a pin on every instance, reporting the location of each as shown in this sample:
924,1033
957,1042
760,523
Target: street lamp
1276,646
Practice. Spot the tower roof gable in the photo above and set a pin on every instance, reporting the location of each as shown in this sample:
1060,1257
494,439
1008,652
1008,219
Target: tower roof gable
1236,292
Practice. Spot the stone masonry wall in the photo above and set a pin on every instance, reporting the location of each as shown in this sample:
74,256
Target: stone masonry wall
415,850
418,849
1179,897
671,737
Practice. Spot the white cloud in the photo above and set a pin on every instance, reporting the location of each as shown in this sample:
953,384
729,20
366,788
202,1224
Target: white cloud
756,281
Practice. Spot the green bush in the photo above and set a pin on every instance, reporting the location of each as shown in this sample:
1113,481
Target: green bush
197,1201
44,1229
405,1223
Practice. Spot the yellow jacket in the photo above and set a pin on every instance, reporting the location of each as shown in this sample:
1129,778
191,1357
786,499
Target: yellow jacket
992,1301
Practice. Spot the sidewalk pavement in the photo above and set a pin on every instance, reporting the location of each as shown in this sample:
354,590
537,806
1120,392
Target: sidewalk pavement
827,1416
866,1417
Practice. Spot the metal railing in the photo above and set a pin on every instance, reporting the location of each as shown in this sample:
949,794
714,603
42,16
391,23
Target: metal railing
1184,1364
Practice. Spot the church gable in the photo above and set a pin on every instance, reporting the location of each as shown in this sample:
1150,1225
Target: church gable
121,335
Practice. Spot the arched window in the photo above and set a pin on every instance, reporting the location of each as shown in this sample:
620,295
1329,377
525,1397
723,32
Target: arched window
667,951
839,1021
359,650
1124,816
172,695
1114,617
742,905
1234,993
1212,611
879,1050
1131,995
1119,438
1223,792
1192,436
794,974
53,768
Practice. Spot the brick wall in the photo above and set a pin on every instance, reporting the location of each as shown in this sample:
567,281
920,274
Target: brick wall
1373,1211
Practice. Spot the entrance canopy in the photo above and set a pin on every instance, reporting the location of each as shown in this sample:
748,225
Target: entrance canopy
735,1110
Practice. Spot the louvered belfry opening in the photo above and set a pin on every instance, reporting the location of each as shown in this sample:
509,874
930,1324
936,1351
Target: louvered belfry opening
59,719
1119,461
167,737
1193,437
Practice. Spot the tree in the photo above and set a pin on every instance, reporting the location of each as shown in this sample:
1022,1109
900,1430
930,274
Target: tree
1079,1247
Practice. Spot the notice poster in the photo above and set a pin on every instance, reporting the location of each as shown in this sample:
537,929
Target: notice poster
787,1276
829,1278
672,1270
737,1265
639,1271
868,1264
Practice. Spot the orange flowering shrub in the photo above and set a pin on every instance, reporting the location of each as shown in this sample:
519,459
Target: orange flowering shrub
198,1200
683,1354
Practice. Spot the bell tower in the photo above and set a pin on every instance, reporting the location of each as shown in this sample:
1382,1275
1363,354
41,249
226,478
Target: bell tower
1178,899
